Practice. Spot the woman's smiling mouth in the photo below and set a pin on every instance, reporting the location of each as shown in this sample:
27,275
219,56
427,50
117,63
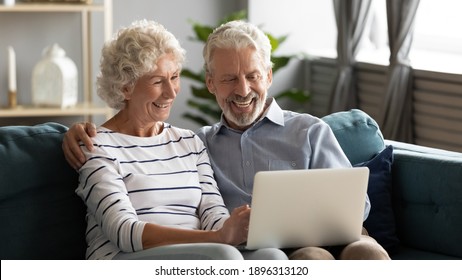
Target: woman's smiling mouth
162,106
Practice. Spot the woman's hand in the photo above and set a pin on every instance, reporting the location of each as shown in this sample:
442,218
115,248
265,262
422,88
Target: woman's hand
236,227
78,132
233,232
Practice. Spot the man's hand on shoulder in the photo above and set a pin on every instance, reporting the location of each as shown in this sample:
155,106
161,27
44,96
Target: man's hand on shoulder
71,148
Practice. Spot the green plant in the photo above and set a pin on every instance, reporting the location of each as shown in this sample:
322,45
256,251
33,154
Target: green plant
203,101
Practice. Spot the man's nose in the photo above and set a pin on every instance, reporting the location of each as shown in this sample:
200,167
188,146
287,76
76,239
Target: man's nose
243,87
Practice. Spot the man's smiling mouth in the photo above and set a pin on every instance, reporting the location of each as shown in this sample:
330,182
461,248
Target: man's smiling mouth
242,104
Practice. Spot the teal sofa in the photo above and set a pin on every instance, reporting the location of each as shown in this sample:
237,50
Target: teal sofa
42,218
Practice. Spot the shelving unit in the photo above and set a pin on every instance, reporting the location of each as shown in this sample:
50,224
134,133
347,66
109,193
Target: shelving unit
87,109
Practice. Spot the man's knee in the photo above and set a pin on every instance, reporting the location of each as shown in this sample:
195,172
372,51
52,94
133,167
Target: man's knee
311,253
364,249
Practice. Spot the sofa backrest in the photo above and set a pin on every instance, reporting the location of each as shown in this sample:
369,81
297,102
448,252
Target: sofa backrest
357,133
41,216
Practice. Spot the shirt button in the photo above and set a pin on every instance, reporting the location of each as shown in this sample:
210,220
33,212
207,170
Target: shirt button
247,163
293,164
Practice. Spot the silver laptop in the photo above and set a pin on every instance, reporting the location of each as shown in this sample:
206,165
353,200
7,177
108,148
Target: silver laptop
300,208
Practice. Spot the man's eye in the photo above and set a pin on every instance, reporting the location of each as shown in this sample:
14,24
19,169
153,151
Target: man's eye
252,77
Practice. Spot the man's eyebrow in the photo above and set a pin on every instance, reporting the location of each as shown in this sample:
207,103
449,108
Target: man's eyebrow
223,76
233,75
254,72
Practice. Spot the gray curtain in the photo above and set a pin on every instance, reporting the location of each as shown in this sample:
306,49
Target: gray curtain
351,17
395,118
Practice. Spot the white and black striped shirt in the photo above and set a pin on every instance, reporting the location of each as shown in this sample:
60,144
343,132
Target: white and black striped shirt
129,181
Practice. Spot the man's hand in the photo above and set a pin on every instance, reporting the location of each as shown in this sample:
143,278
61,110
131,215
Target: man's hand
78,132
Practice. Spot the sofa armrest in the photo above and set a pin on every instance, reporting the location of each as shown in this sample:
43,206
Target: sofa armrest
427,195
42,217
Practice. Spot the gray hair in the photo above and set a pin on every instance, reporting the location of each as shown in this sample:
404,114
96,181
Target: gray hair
132,53
237,34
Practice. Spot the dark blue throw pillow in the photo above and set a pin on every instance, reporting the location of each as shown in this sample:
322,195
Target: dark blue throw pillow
381,221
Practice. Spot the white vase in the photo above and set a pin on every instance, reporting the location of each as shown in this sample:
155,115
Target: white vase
9,2
54,79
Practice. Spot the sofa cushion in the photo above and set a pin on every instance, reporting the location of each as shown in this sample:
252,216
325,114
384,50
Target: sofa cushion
42,217
357,133
381,221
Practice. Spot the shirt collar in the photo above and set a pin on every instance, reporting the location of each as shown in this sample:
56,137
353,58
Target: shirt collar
273,113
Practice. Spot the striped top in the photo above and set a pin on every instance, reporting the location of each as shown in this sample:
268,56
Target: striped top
129,181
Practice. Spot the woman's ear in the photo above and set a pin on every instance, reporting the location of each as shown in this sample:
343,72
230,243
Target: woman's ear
127,91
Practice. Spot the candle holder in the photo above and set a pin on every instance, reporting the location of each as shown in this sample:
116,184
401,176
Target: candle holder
12,99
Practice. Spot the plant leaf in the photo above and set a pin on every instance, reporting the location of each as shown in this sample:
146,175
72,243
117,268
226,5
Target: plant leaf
199,77
202,92
239,15
279,62
282,39
298,95
209,109
202,31
273,41
197,119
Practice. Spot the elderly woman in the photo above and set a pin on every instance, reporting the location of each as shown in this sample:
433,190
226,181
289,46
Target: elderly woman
147,183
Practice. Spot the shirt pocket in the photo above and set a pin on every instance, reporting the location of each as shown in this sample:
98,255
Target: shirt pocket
284,164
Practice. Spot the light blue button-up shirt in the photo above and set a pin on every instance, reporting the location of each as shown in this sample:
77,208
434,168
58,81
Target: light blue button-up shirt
279,140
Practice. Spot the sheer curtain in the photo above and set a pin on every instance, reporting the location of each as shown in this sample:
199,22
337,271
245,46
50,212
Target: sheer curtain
351,17
395,118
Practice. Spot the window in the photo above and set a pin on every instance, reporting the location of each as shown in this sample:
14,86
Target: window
437,41
374,46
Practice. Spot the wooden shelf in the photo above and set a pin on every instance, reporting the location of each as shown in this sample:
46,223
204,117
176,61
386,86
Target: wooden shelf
78,110
52,7
87,107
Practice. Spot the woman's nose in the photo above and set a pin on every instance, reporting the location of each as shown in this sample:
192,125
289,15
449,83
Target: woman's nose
170,90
